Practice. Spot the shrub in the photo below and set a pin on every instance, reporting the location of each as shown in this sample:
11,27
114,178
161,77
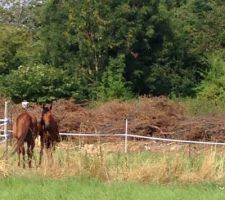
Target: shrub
41,83
212,88
113,84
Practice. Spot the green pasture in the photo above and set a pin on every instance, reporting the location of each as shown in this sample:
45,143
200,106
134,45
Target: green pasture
83,189
137,175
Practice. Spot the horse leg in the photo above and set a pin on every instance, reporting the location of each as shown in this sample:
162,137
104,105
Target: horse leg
29,154
30,147
19,152
52,148
48,151
50,157
23,152
41,151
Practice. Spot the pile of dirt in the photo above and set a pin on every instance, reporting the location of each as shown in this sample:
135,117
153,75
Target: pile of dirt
70,116
146,116
204,129
155,116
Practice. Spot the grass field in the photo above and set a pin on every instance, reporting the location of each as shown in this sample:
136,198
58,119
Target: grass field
161,167
83,189
76,174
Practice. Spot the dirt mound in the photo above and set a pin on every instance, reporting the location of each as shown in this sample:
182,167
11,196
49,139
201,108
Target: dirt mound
146,116
70,116
155,116
206,129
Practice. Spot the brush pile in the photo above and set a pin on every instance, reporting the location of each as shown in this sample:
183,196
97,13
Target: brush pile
146,116
155,116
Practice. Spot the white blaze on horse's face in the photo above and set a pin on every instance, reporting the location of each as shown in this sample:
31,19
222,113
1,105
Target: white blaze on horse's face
47,116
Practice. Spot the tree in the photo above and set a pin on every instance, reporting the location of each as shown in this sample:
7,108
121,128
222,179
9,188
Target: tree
165,44
17,47
112,84
37,83
20,13
82,37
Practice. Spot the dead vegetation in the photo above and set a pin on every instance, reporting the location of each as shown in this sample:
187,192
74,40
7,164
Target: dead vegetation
172,164
106,161
4,169
156,116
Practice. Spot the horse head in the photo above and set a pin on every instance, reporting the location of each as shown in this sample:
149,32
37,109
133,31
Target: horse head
46,116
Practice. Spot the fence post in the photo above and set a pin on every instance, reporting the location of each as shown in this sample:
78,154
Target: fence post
126,127
6,129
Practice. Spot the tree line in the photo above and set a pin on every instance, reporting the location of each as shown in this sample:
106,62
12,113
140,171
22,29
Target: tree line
103,49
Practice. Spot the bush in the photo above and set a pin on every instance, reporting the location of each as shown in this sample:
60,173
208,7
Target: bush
39,83
212,88
113,84
210,97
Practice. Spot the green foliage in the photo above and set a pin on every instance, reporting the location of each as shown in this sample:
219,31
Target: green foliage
39,83
82,38
210,97
20,13
112,84
165,44
17,47
11,47
201,24
212,87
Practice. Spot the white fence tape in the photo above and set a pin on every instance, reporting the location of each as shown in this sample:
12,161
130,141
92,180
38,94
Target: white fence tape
2,136
133,136
3,124
7,120
142,137
91,134
175,140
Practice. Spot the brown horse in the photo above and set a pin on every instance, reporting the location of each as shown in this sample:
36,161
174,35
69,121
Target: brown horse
25,130
48,131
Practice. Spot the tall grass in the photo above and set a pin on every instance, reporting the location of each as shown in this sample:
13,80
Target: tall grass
145,167
4,172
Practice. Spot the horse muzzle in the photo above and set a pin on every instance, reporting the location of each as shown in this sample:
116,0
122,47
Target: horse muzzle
47,127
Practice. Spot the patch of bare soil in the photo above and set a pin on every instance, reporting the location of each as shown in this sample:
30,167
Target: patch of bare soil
155,116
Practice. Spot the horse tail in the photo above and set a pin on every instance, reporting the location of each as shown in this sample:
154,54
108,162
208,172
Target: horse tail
20,141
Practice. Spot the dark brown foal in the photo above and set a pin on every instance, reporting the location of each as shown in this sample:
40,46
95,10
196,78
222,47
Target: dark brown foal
48,131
